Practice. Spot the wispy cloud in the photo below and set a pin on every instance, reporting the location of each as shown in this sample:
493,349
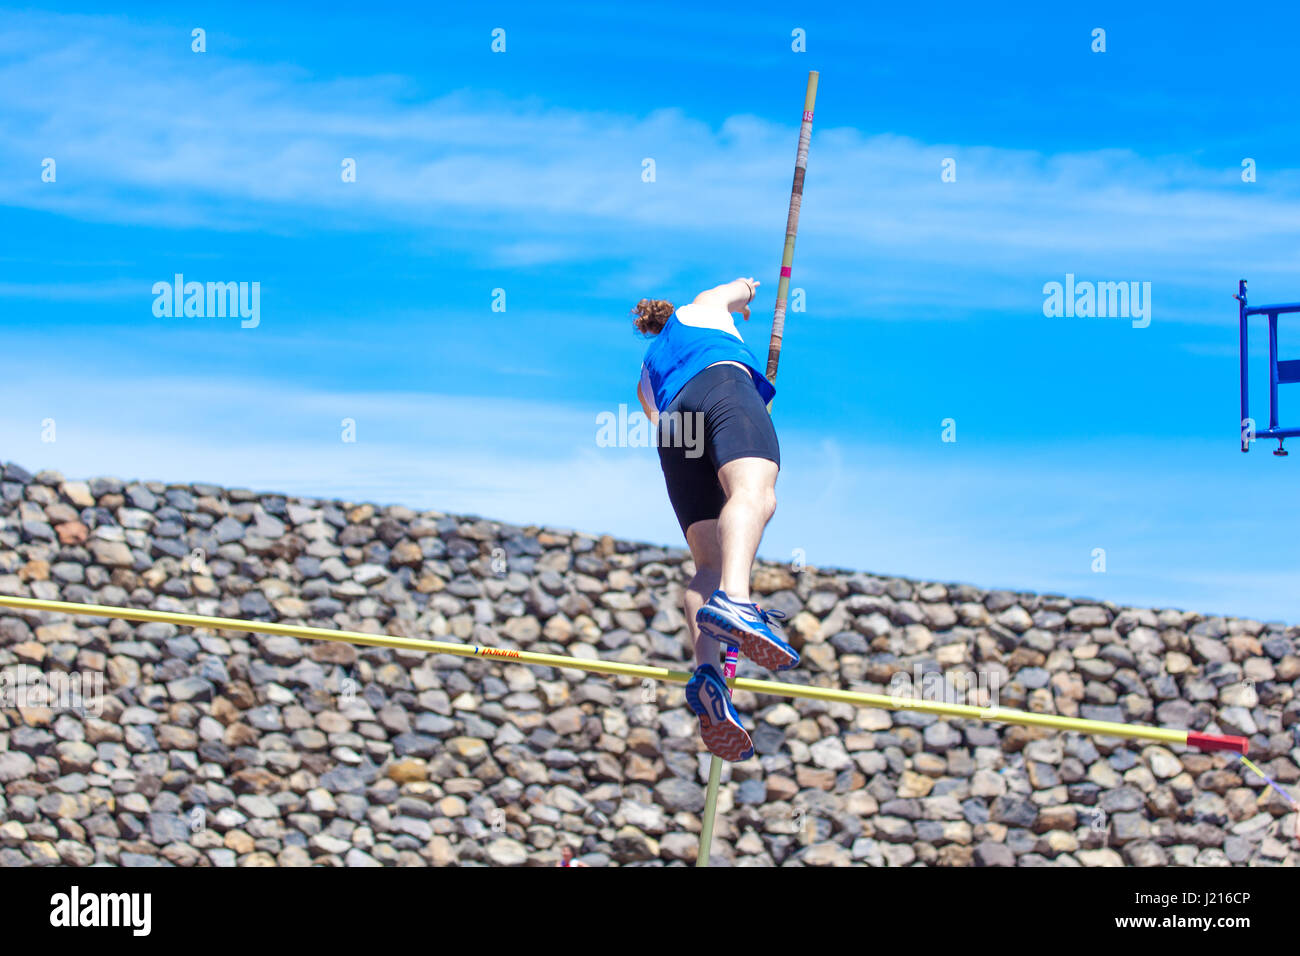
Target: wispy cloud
179,139
75,291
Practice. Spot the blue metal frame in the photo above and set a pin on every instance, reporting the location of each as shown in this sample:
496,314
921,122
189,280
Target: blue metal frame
1279,373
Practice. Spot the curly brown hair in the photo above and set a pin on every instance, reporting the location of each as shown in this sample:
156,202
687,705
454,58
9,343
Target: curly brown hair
652,315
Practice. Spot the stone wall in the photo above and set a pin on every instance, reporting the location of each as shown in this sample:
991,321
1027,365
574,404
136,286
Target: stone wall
224,749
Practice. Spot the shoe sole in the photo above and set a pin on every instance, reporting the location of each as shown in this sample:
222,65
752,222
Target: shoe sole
757,648
723,738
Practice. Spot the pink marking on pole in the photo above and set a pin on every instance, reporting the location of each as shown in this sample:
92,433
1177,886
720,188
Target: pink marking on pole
785,272
807,116
1238,745
729,665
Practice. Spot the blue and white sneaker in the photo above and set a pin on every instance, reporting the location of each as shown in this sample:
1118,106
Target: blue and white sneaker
746,626
708,697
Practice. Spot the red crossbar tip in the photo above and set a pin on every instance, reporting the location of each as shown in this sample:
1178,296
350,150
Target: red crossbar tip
1238,745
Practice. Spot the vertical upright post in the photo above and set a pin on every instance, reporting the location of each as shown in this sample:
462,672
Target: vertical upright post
773,357
1272,370
1245,399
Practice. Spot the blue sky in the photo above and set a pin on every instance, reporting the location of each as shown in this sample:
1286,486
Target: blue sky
522,171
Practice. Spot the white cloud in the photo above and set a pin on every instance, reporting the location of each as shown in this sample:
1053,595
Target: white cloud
76,291
147,137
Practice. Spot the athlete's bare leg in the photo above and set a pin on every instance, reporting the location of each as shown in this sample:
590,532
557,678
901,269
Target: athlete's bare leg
750,486
702,537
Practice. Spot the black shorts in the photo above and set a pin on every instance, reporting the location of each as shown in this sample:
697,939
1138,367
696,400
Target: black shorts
716,418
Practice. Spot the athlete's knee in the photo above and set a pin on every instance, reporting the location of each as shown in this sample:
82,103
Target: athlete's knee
762,494
757,496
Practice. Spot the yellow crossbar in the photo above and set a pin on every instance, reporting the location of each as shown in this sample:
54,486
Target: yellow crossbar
775,688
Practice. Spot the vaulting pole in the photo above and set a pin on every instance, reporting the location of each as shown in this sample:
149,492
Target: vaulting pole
715,775
855,698
773,358
792,226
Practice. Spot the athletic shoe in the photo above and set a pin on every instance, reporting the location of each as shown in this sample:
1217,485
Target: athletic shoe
746,626
707,695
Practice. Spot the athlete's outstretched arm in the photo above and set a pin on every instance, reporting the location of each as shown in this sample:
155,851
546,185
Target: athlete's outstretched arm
734,296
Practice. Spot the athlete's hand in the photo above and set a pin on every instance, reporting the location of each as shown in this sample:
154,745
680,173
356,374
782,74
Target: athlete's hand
734,296
753,286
